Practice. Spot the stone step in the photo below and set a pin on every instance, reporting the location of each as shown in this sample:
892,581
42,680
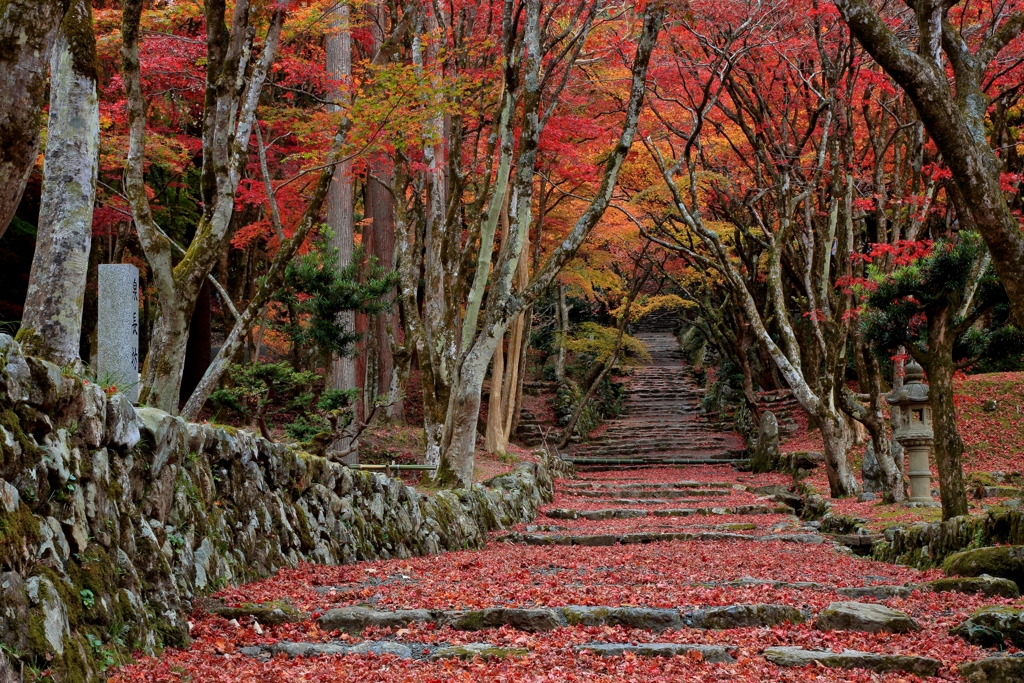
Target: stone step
715,654
595,540
354,620
628,513
853,659
640,484
663,494
426,651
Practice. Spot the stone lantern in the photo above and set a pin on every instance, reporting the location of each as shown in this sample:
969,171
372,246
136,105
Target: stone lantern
914,430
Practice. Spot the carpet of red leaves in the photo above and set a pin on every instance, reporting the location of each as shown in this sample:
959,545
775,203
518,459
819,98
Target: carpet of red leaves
683,575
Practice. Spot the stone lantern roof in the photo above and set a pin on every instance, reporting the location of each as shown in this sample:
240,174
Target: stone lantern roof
914,390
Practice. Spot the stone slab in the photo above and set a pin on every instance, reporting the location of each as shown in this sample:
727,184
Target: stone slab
716,654
117,327
853,659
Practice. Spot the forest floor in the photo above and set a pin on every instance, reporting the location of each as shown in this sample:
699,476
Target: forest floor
622,565
743,550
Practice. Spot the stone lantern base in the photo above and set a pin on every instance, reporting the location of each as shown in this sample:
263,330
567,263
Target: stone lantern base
918,469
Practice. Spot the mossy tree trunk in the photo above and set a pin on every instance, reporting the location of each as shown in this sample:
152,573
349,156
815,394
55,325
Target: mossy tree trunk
53,308
28,29
948,446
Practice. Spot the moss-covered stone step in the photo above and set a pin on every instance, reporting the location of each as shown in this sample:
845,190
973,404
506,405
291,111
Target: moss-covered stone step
522,619
652,619
429,651
1005,669
656,493
653,537
270,613
652,485
992,626
716,654
353,620
853,659
630,513
863,616
989,586
745,616
595,515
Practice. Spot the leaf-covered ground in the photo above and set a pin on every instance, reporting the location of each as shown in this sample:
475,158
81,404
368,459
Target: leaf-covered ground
675,574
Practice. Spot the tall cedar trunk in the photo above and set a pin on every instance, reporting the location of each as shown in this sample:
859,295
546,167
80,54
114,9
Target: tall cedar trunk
56,290
948,446
197,351
340,198
366,349
28,29
381,207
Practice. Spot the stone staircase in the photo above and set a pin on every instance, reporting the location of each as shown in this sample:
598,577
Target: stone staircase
662,421
531,429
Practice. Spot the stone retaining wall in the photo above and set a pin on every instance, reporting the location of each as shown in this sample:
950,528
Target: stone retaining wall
924,545
112,519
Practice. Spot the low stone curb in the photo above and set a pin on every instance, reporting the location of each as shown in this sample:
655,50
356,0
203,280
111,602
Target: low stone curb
853,659
428,651
662,493
626,539
630,513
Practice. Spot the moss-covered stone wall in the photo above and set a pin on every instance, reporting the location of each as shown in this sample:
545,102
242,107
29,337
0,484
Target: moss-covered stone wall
925,545
113,519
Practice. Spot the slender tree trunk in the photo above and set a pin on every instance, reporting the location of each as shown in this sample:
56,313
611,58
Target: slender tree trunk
562,313
517,348
28,29
517,408
275,275
494,438
609,363
52,321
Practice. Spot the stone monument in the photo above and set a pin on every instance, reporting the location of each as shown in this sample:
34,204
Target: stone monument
766,455
117,328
